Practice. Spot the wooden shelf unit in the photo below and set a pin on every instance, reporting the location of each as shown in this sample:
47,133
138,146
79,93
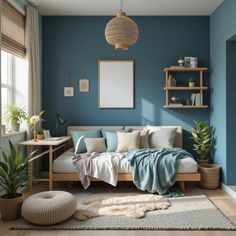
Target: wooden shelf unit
200,88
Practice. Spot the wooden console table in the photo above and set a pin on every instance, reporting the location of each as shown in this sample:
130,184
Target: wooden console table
53,145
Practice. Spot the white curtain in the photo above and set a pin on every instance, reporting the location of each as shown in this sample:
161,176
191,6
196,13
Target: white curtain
33,58
0,73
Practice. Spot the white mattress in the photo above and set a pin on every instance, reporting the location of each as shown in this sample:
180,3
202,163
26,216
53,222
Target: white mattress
64,164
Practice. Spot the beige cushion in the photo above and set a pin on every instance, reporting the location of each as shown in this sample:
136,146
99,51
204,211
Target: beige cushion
50,207
161,137
95,145
128,141
144,137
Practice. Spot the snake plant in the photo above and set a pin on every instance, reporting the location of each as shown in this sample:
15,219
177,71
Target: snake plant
13,171
203,137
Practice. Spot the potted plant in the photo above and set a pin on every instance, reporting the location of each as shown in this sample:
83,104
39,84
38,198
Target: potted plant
191,82
203,137
14,115
13,176
34,121
40,134
204,142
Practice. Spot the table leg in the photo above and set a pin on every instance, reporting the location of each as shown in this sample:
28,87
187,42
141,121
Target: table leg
50,167
30,169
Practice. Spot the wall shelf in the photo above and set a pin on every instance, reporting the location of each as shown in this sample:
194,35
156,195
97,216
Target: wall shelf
168,71
186,88
185,69
185,106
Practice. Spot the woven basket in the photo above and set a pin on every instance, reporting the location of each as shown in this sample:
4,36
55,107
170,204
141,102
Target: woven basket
11,208
210,176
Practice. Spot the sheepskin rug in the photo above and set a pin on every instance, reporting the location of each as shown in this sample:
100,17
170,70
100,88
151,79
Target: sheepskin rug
133,205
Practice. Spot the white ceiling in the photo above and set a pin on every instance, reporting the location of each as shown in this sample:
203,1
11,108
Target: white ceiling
131,7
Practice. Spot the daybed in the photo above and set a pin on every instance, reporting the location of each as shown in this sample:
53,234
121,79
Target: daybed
64,170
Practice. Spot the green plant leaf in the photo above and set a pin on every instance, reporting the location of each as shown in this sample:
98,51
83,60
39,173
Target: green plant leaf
4,167
13,170
13,150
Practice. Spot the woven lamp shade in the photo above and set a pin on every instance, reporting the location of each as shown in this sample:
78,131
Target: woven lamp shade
121,31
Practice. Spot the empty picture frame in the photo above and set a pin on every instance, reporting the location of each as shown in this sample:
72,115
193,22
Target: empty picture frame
116,84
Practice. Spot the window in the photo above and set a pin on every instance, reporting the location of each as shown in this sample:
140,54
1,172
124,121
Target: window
14,85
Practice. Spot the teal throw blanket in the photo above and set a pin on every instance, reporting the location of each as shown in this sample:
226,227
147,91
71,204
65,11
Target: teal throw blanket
155,169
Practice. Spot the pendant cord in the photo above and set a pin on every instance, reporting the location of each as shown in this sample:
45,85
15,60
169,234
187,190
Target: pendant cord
121,5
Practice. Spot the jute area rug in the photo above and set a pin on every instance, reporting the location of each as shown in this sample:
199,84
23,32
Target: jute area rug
192,212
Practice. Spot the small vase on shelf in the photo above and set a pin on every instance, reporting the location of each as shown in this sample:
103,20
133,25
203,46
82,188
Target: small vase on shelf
191,83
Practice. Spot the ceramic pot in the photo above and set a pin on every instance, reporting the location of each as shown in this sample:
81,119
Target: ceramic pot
11,207
202,161
15,126
191,84
40,136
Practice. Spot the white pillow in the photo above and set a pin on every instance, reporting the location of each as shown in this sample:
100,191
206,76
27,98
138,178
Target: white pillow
152,128
95,145
77,144
128,141
162,137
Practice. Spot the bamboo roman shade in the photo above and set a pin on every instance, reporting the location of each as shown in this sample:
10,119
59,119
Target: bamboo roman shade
13,30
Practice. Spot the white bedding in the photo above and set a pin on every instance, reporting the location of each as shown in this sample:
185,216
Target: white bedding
64,164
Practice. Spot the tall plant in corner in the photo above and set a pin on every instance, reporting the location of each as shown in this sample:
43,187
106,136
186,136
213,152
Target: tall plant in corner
203,138
13,176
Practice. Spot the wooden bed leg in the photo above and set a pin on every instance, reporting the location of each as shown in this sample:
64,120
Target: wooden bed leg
50,167
181,186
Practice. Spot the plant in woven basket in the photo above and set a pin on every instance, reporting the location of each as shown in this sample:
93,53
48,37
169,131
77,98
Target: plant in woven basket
13,176
203,137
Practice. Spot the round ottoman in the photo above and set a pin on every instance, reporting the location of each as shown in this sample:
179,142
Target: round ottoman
49,207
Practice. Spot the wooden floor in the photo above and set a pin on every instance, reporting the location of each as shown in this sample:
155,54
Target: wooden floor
223,201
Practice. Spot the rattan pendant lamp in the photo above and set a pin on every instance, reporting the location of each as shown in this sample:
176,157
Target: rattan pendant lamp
121,31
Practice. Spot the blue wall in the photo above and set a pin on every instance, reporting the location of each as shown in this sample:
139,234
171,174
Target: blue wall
223,28
75,44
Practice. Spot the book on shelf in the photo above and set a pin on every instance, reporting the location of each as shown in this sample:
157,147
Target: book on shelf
197,99
171,82
193,97
175,104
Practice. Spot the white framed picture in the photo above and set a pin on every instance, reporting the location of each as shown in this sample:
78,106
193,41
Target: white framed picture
68,91
46,134
116,84
84,85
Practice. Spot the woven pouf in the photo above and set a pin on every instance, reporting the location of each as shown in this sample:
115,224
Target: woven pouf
49,207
